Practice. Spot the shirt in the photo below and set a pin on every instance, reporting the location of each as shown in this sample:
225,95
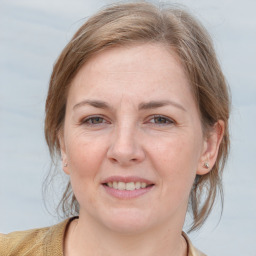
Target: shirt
49,241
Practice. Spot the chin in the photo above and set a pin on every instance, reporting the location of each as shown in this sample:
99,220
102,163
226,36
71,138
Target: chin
127,221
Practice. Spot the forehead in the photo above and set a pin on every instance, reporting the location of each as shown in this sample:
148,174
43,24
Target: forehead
139,70
144,56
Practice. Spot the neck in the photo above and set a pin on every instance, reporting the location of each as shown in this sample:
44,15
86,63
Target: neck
87,239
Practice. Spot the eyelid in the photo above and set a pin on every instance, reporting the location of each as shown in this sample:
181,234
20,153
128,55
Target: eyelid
169,120
86,119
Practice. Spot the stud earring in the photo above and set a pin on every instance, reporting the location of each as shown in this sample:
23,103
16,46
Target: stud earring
206,165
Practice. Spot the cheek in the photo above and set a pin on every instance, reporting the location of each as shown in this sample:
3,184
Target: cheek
85,155
84,161
176,162
177,151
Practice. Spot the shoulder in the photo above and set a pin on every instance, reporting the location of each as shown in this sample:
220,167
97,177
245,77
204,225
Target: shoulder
42,241
23,242
192,251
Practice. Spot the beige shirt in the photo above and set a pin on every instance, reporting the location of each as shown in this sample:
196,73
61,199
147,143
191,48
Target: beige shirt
48,242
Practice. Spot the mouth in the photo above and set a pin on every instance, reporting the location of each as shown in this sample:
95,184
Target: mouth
127,187
130,186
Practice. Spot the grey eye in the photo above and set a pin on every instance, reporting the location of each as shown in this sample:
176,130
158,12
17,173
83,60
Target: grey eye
95,120
160,120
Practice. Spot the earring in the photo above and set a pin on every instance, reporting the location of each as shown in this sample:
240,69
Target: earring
65,165
206,165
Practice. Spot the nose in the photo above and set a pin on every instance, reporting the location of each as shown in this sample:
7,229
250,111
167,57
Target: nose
125,148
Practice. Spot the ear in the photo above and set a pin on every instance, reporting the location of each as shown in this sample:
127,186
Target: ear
63,152
211,148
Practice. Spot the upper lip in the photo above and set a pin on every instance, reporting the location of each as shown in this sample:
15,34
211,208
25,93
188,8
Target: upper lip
126,179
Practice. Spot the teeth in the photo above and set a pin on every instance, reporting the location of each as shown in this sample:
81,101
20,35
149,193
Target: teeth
115,185
121,185
126,186
130,186
110,184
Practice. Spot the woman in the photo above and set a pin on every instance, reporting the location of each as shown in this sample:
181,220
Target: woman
138,111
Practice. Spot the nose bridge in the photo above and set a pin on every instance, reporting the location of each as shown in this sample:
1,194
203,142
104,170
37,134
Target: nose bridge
125,137
125,147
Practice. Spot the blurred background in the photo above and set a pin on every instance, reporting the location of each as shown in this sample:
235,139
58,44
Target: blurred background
33,33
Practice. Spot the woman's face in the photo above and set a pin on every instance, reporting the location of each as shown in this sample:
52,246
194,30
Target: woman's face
132,139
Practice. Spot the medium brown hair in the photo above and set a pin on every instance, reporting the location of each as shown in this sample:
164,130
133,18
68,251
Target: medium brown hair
129,23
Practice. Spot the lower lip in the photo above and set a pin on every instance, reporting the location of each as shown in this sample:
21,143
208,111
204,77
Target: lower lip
127,194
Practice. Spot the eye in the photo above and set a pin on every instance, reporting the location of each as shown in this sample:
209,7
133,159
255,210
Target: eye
161,120
94,120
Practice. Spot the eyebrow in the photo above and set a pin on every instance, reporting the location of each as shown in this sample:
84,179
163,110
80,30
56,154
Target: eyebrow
142,106
159,104
94,103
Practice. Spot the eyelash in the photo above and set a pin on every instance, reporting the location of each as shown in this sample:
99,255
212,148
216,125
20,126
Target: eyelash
88,121
168,121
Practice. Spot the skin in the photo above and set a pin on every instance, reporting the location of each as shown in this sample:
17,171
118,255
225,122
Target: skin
163,144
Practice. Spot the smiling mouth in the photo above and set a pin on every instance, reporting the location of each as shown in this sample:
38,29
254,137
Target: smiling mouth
130,186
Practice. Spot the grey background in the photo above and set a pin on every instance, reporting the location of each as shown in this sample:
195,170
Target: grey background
32,35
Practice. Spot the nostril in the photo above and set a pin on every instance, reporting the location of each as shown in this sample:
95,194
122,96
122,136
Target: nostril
113,160
125,154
